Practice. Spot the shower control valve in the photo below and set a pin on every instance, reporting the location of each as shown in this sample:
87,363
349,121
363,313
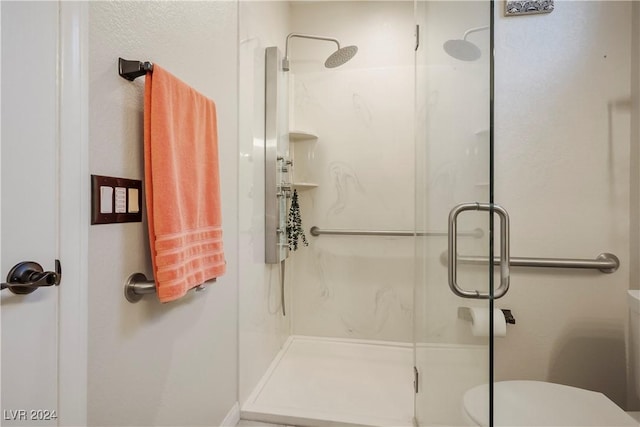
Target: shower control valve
287,162
285,189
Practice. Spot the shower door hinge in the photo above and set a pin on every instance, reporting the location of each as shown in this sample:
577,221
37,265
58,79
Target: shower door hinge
415,379
417,37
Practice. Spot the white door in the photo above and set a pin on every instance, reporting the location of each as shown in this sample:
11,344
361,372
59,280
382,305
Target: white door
29,209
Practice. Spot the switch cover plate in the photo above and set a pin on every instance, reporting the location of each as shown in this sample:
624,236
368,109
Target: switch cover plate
115,200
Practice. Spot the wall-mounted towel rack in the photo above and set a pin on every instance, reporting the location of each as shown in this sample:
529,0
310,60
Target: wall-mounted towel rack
315,231
131,70
137,285
605,262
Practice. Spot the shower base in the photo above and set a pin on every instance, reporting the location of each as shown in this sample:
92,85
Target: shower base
336,382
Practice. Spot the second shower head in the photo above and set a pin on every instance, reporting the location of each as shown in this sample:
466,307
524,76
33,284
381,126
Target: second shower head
463,49
336,59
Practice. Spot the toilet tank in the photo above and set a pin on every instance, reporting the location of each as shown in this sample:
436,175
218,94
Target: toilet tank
634,339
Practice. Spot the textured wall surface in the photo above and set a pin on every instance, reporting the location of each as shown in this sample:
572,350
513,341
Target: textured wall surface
153,364
562,170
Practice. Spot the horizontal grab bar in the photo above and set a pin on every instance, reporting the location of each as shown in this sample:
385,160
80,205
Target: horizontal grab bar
605,262
315,231
138,285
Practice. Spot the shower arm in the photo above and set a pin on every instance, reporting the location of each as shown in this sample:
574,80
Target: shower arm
285,61
474,30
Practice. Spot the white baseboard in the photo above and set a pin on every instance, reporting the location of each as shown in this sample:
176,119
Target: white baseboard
233,416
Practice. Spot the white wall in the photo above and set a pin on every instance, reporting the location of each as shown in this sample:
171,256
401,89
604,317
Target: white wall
153,364
263,328
362,112
562,170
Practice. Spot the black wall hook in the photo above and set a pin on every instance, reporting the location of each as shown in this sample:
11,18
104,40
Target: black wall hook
131,70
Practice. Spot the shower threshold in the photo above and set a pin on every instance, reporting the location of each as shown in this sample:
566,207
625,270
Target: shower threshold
317,381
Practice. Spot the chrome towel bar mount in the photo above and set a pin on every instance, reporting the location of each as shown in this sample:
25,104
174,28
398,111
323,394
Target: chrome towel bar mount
137,285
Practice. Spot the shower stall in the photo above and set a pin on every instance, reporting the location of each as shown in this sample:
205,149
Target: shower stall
395,309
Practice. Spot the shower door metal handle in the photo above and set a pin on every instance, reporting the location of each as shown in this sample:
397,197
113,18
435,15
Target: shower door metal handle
504,250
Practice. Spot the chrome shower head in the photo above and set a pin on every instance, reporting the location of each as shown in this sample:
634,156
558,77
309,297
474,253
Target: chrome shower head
336,59
463,49
341,56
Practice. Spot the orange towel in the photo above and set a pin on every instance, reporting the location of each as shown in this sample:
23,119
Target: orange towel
182,185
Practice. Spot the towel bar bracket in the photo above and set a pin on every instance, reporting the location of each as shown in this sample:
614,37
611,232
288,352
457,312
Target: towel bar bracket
131,70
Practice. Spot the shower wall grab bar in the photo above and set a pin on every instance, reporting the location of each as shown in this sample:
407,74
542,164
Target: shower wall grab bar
137,285
315,231
605,262
131,70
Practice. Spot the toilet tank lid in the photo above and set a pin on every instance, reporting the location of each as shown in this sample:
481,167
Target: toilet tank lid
536,403
634,300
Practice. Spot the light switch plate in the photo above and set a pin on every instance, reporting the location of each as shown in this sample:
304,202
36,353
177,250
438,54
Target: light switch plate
115,200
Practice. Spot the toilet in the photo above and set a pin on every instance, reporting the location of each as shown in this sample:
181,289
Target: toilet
537,403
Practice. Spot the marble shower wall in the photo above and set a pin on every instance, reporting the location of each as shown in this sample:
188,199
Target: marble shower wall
262,327
363,163
452,106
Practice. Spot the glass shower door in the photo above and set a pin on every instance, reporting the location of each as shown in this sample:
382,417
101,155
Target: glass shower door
454,284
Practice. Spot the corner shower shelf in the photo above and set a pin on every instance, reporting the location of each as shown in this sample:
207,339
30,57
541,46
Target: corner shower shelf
299,135
302,136
302,186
